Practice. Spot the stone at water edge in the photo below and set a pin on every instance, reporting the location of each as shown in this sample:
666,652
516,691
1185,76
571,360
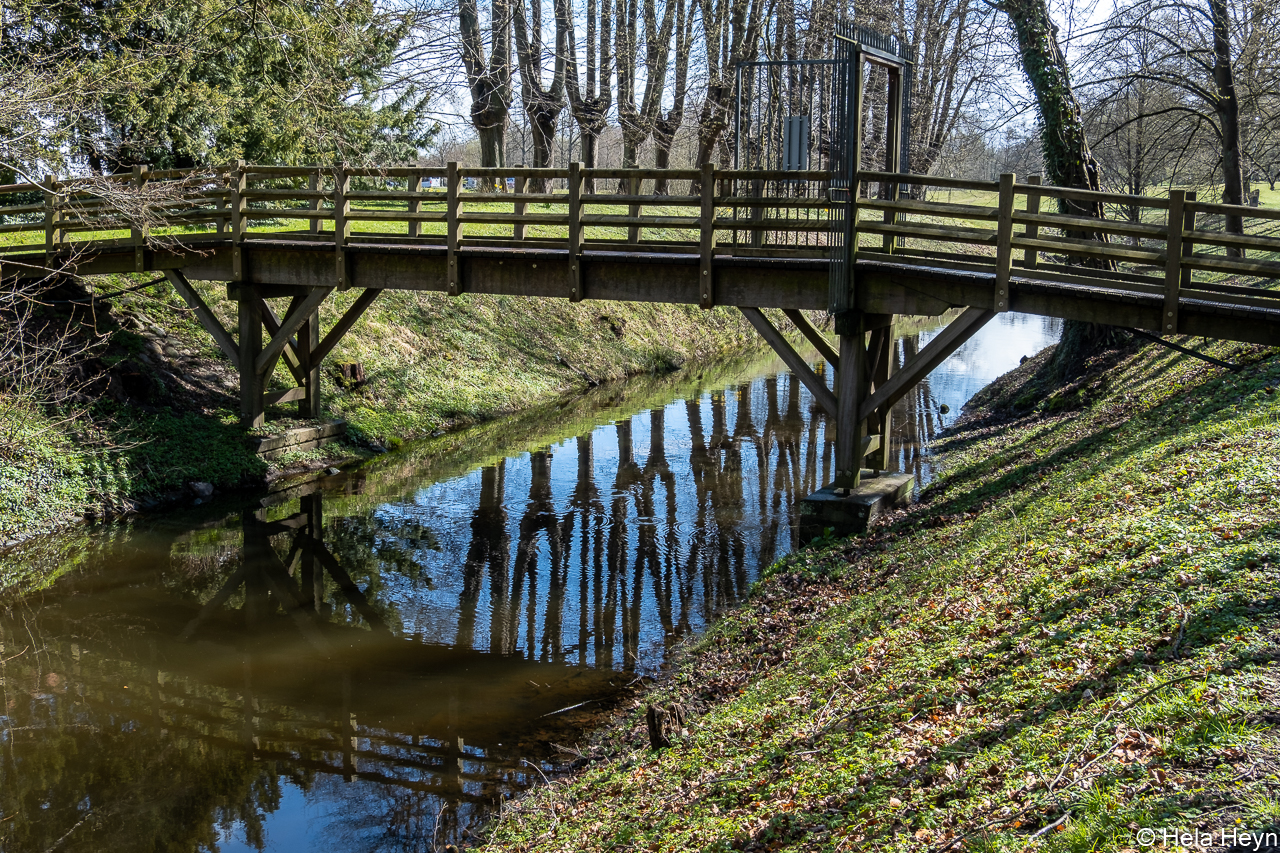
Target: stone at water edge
202,490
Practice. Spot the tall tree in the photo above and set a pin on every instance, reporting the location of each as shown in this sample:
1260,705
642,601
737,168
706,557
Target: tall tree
666,126
732,35
637,120
589,99
1068,159
488,79
543,104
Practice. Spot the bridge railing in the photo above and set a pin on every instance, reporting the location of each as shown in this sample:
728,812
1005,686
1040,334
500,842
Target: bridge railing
1170,244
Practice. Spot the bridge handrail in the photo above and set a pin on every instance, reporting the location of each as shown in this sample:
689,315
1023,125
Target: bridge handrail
995,225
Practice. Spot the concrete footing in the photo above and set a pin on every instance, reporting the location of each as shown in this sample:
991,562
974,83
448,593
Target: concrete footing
298,438
848,512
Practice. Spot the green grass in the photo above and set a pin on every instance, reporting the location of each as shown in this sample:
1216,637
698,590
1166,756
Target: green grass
1080,618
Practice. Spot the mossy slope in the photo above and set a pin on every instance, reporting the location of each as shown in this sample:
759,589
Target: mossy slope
1074,636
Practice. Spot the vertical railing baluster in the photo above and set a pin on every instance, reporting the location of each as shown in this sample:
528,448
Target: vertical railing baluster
707,235
1188,244
575,232
341,225
522,183
452,202
53,234
1031,257
238,181
139,231
633,210
313,186
1172,262
1004,242
415,205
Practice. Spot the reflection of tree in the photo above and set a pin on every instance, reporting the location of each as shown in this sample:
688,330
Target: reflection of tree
490,550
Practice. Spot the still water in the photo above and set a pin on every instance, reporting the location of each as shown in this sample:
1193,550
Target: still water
372,661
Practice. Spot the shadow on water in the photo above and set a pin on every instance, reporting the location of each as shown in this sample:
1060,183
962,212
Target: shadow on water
372,661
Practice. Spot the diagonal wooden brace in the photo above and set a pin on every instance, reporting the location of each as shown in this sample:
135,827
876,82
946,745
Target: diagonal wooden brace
815,336
363,301
206,317
951,339
292,358
291,323
798,365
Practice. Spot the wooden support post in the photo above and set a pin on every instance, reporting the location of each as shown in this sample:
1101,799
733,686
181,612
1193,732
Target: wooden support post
308,342
881,356
1188,244
238,182
299,312
814,335
855,171
851,389
821,393
575,232
221,222
1031,257
1004,242
1172,263
415,206
251,381
633,210
140,231
53,235
707,236
518,228
313,185
341,226
452,180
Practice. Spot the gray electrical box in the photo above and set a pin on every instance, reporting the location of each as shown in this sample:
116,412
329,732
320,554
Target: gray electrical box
795,143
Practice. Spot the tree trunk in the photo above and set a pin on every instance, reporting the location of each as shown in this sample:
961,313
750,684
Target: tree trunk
1227,107
1068,158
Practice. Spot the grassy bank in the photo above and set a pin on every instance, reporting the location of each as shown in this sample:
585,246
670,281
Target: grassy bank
1071,638
147,404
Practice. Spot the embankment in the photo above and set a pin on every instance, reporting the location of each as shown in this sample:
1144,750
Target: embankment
136,402
1071,639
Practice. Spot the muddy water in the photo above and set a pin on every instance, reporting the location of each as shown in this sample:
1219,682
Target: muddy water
372,661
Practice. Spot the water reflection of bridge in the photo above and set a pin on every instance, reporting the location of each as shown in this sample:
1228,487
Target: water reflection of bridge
287,641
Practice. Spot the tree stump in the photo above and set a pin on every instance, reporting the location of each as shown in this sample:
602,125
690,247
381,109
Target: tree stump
663,722
351,374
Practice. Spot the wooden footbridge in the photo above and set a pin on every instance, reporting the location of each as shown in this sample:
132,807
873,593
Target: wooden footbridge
752,239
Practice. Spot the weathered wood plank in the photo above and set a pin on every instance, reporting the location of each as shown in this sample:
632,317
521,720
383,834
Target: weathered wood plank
1004,242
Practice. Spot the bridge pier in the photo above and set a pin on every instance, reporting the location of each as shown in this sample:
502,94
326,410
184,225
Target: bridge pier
867,385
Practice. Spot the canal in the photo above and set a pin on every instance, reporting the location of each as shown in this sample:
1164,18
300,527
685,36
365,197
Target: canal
374,660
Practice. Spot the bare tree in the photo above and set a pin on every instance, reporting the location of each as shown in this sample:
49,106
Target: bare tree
638,120
488,79
732,31
666,126
589,100
542,104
